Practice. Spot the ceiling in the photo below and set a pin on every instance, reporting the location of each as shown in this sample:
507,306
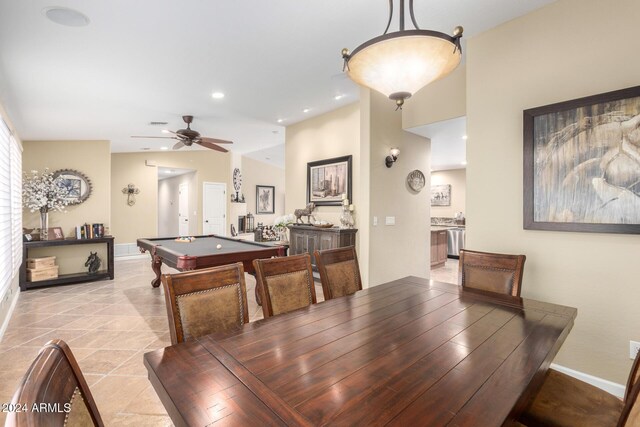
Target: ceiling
166,173
448,143
156,60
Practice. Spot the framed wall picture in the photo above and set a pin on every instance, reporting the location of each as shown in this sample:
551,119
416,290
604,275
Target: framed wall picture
327,180
582,164
265,199
76,184
441,195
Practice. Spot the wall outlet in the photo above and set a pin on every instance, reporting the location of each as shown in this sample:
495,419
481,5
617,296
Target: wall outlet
390,220
634,348
375,220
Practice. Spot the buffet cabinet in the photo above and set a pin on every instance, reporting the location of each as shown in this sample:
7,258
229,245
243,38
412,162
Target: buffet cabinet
309,238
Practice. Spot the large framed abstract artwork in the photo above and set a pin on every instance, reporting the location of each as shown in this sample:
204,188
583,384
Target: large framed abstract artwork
582,164
327,180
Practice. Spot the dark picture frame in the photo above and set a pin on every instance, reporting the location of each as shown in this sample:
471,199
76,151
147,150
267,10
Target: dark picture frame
55,233
328,179
581,169
265,199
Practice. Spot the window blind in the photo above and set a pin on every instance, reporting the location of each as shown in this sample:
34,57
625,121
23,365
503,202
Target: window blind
16,203
10,207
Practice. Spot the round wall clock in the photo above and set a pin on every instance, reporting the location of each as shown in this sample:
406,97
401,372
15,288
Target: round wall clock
237,179
416,180
76,184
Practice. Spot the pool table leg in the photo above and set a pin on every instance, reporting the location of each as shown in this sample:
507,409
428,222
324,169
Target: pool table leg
156,266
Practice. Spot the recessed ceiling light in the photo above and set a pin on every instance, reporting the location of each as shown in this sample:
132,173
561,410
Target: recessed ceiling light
464,136
168,171
65,16
338,97
280,120
164,148
145,149
217,95
306,110
158,123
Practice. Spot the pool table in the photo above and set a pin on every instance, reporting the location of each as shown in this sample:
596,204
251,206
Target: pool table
203,252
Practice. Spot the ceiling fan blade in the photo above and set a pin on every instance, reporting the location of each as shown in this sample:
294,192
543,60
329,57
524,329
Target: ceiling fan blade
212,146
214,140
177,145
159,137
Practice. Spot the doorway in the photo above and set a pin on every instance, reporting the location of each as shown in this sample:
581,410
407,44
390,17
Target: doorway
177,202
214,208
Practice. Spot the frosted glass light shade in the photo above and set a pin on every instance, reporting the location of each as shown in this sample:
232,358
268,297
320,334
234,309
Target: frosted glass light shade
399,64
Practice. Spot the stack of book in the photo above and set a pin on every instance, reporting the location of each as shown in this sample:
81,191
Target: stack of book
90,231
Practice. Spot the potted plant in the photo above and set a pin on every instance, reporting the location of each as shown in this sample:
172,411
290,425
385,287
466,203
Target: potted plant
41,192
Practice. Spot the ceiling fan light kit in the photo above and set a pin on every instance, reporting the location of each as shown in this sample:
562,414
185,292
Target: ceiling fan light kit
187,137
399,64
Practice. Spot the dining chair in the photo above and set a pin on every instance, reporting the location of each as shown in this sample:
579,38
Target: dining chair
286,283
566,401
201,302
55,384
500,273
339,272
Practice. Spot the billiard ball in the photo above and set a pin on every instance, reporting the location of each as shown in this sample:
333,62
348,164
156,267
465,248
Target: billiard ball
219,246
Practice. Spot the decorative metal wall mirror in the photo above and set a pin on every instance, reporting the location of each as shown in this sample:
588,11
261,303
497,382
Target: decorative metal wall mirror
75,183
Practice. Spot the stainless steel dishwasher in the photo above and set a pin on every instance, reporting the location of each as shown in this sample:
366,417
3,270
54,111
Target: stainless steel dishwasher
455,242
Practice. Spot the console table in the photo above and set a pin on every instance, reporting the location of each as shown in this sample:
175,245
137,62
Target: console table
308,238
65,279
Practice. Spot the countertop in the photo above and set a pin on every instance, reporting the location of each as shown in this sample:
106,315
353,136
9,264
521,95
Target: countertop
440,227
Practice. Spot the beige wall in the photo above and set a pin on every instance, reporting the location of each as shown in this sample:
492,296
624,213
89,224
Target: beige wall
402,249
333,134
567,50
457,179
92,158
441,100
141,220
168,204
255,173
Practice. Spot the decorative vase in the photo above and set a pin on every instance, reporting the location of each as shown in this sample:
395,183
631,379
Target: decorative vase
346,219
44,225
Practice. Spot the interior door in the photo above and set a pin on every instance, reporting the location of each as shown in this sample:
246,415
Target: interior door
214,208
183,209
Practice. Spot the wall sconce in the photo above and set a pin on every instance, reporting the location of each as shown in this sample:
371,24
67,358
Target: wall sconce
392,157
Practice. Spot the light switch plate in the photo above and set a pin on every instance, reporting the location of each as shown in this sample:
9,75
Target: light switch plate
390,220
375,220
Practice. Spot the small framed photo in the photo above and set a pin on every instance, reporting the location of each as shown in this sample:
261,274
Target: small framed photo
265,199
55,233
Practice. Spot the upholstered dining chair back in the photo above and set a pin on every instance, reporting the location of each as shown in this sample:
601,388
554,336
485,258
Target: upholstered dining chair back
339,272
487,271
201,302
285,283
55,384
630,416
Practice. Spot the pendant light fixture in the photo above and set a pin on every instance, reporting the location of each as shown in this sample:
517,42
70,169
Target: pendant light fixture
399,64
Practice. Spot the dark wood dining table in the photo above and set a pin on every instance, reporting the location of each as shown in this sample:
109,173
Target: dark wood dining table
411,352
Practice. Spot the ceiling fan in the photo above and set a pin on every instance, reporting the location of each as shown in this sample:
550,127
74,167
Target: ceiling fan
188,136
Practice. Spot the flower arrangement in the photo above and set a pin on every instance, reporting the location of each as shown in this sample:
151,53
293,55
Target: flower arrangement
41,192
282,222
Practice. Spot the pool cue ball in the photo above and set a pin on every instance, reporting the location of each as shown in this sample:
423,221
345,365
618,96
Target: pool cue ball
219,246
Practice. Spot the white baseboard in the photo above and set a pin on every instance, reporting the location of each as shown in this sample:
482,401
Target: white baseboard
7,319
606,385
128,257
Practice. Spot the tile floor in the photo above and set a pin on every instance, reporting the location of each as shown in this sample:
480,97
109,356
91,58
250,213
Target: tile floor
447,273
109,325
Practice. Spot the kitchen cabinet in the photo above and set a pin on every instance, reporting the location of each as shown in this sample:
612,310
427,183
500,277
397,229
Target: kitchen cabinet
438,248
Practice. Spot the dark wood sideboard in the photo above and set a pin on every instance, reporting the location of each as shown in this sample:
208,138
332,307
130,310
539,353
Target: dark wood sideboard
308,238
65,279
